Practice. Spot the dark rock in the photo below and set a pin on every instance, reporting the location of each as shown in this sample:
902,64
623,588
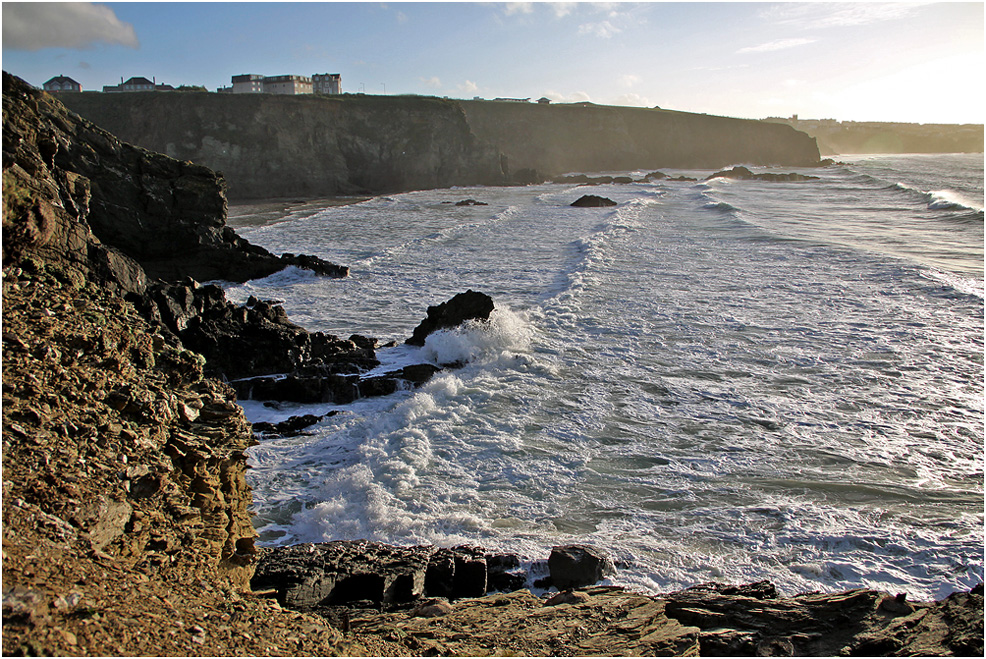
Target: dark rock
622,180
457,572
471,202
744,174
573,566
592,201
341,572
655,176
167,215
291,426
470,305
504,573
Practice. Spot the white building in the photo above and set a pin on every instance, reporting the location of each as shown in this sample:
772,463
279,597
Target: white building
248,83
287,84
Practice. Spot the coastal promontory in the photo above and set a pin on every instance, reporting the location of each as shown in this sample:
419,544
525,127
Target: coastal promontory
270,146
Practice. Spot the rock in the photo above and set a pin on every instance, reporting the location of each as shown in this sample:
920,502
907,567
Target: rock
504,573
572,566
470,305
457,572
471,202
567,597
592,201
340,572
291,426
166,215
431,608
744,174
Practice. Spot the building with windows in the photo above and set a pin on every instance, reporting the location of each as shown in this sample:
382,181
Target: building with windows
327,83
248,83
62,84
287,84
138,84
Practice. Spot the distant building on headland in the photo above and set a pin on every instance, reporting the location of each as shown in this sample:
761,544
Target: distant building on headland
252,83
138,84
544,100
62,84
327,83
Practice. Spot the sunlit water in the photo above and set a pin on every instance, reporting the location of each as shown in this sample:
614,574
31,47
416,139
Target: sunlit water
723,380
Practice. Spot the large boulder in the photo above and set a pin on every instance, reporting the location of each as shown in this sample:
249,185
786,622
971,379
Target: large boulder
574,566
470,305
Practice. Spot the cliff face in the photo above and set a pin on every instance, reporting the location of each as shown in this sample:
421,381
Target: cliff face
276,146
835,137
554,139
167,215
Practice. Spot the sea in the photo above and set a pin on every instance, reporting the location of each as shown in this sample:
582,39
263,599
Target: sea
713,380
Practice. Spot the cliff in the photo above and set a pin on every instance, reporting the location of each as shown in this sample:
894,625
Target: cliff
308,146
304,146
835,137
555,139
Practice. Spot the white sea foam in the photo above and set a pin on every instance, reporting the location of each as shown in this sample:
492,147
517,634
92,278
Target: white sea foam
785,399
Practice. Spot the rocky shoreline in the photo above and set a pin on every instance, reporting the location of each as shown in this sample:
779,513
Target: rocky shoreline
126,524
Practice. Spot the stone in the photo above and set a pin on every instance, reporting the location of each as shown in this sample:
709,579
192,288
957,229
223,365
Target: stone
341,572
744,174
471,202
470,305
572,566
592,201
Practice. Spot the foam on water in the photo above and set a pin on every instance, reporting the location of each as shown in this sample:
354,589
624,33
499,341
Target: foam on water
708,396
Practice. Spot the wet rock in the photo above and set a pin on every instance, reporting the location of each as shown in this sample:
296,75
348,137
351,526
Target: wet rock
592,201
744,174
471,202
470,305
291,426
572,566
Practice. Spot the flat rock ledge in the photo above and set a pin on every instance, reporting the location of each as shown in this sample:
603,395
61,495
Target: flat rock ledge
462,601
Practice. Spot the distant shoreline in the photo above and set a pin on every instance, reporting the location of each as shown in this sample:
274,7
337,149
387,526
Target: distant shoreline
262,212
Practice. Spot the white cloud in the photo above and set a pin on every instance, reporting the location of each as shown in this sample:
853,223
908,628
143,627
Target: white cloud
468,86
562,9
631,99
401,17
431,82
816,15
780,44
512,8
604,29
629,79
574,97
37,25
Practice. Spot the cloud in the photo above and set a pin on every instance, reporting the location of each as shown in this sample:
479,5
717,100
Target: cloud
401,17
629,79
780,44
838,14
634,100
431,82
85,65
604,29
562,9
468,86
512,8
37,25
574,97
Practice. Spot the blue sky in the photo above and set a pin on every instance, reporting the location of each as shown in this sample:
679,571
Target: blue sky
914,62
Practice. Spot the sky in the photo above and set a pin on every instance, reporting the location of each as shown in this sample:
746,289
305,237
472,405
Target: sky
907,62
